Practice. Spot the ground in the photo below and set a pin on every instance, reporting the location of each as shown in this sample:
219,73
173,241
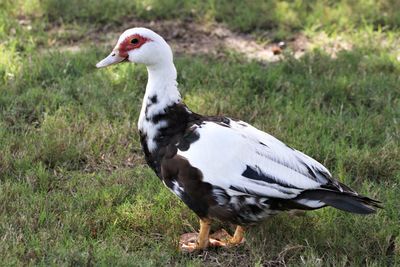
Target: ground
74,188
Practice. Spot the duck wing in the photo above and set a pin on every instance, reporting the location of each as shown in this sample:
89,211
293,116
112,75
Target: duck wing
238,159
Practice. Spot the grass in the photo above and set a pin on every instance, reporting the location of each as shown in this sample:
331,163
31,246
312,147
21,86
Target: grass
74,188
284,17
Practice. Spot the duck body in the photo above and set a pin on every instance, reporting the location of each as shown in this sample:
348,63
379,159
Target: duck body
226,169
220,167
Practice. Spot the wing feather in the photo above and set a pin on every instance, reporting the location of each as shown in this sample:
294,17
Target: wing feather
244,160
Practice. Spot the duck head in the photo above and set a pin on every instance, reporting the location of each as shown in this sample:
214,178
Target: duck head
139,45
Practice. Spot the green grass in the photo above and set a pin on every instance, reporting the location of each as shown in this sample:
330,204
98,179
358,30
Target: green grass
283,16
74,188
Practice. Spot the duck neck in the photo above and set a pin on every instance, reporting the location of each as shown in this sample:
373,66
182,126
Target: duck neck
162,83
161,93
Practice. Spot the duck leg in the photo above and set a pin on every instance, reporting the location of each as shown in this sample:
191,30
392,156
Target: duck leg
191,241
221,238
238,236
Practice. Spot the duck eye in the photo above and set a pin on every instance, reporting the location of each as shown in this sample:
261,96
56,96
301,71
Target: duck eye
134,41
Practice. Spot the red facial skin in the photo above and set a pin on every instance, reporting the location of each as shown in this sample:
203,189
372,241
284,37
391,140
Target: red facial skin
127,45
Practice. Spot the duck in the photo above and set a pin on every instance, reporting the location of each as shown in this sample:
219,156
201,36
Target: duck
222,168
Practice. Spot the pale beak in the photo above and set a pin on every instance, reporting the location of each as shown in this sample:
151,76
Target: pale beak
111,59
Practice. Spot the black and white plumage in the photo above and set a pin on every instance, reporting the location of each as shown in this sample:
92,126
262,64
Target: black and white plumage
220,167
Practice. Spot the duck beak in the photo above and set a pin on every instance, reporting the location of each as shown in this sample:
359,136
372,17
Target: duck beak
111,59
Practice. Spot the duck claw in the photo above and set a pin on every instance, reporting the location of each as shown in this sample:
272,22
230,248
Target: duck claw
221,238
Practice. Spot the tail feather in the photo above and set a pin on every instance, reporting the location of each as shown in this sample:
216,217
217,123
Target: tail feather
346,201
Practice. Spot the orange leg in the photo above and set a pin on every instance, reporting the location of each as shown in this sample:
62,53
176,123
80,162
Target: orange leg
237,237
202,240
189,242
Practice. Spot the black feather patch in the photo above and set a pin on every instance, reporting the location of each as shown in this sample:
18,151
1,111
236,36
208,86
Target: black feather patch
261,143
255,173
154,99
187,139
345,201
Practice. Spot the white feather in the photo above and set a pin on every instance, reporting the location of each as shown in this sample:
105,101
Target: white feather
223,153
177,189
162,84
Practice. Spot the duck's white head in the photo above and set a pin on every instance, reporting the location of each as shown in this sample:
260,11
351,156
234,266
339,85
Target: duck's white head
139,45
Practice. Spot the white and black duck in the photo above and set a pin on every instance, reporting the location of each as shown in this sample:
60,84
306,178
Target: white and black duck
220,167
